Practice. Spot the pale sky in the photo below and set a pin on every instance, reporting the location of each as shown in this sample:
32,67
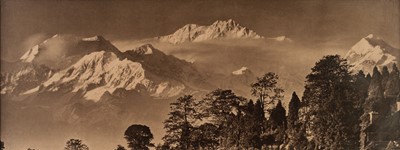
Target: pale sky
337,24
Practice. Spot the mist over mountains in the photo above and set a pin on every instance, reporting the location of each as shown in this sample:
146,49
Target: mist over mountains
90,88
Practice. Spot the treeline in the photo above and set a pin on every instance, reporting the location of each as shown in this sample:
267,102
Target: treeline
332,114
223,119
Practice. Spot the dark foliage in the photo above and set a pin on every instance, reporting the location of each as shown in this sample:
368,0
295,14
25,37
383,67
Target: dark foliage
138,137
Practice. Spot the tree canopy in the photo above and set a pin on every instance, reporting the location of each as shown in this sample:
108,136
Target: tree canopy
139,137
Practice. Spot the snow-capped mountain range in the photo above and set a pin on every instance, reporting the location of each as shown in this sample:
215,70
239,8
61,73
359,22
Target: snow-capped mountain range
227,29
93,66
99,69
372,51
90,82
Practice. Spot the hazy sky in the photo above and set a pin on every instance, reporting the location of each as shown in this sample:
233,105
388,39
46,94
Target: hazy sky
335,24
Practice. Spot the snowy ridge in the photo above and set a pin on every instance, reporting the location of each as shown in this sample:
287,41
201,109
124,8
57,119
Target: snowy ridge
228,29
94,38
61,51
369,52
101,72
31,54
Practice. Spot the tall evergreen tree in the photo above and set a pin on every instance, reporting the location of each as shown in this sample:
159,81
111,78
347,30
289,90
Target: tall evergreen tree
385,76
361,86
278,123
375,87
375,95
179,125
224,109
294,131
368,77
205,136
251,137
329,93
293,115
266,89
393,84
278,115
376,100
259,118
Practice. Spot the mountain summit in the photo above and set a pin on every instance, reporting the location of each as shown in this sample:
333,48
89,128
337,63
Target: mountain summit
227,29
61,50
371,51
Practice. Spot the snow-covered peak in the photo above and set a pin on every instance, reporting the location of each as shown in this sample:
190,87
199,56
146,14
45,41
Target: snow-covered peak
225,23
227,29
371,51
369,44
30,55
143,50
241,71
94,38
370,36
61,51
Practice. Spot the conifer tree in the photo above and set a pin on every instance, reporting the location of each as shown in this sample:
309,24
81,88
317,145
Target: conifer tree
251,137
179,125
259,118
376,100
375,95
375,87
393,84
224,109
368,77
361,86
266,89
385,76
205,136
293,115
278,115
329,93
294,125
278,123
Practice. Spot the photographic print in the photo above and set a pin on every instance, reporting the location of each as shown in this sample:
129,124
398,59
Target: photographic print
200,75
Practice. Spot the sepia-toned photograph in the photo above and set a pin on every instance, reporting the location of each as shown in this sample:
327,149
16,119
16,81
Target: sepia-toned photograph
200,75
